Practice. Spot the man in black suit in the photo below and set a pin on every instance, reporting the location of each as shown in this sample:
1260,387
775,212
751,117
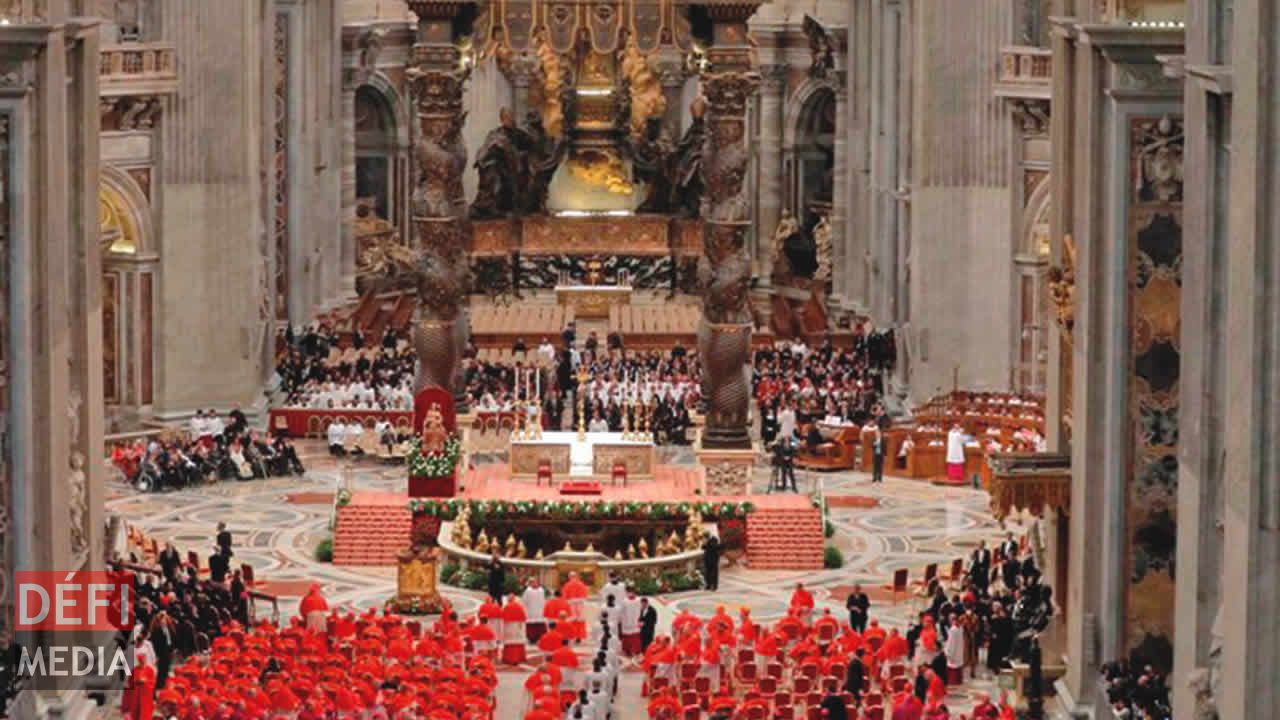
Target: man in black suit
980,566
648,623
224,540
711,562
162,638
1009,548
855,677
858,604
218,564
170,561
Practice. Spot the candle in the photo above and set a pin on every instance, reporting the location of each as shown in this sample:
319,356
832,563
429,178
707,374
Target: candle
537,379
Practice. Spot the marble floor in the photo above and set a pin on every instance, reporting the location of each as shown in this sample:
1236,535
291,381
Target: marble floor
277,523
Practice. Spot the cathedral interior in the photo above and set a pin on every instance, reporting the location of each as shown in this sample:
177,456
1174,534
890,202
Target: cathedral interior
702,245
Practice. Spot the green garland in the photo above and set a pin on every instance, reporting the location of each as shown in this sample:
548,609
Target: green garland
436,464
481,510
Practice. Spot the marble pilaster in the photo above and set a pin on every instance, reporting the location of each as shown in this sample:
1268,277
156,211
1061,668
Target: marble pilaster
771,196
840,192
348,262
1250,626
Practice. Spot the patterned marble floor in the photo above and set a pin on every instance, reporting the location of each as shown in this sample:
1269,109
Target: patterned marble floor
277,523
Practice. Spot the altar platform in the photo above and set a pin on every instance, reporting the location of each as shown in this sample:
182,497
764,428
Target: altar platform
784,531
592,457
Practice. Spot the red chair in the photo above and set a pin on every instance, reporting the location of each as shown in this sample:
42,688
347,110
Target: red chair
747,672
756,711
897,670
692,712
544,472
689,697
767,686
899,586
246,574
774,670
830,684
809,670
875,712
930,574
957,572
619,473
813,699
813,712
784,712
702,685
873,699
688,672
746,655
782,697
801,685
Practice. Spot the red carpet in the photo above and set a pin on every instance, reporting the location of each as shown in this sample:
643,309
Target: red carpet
853,501
309,498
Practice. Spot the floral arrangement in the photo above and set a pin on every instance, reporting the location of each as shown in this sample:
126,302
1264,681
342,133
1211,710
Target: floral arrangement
479,510
440,463
344,497
413,605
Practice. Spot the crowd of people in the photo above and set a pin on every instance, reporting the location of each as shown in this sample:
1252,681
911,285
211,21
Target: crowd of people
1136,693
796,385
316,371
1001,606
178,613
200,656
213,448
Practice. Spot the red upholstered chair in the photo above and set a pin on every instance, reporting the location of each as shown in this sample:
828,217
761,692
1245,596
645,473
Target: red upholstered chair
925,584
692,712
875,712
246,574
899,586
619,473
702,685
544,472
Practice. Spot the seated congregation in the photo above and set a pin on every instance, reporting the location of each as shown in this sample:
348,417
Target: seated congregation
212,449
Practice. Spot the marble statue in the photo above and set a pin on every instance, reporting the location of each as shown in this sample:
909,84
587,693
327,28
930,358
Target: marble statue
822,247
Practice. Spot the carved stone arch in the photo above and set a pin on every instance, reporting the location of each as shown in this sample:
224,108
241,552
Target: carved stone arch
809,138
382,128
799,107
124,214
1035,221
394,102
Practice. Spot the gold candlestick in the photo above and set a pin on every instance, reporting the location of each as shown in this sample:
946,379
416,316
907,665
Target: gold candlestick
626,420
